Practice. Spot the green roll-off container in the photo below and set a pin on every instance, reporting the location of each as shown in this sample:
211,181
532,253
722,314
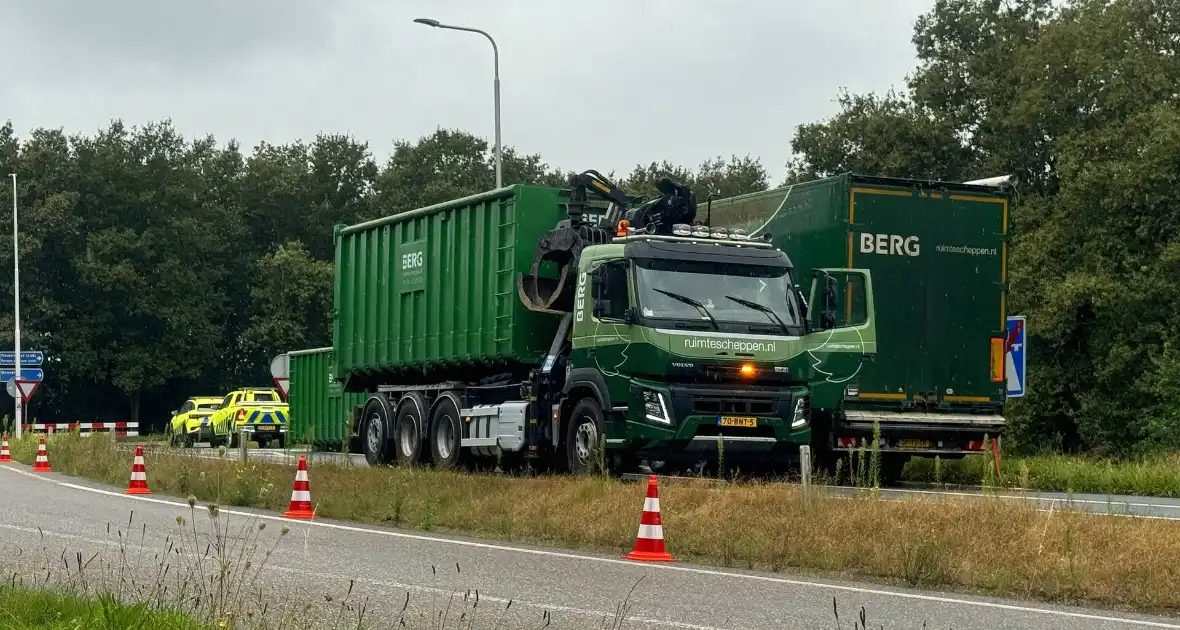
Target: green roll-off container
320,409
430,294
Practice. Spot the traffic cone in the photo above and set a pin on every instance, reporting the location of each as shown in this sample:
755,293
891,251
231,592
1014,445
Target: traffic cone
138,484
42,463
5,456
300,493
649,543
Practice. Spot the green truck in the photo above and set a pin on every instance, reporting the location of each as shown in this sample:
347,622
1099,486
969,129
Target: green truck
534,323
938,255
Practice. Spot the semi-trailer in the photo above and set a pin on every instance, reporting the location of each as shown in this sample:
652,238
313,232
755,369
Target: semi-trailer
938,256
528,323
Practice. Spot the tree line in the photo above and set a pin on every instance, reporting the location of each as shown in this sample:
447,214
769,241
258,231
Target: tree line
155,266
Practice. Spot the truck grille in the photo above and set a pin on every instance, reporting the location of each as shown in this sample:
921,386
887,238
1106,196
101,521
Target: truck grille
731,406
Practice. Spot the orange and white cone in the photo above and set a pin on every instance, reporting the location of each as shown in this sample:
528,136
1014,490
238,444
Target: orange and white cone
42,463
300,493
649,543
138,483
5,456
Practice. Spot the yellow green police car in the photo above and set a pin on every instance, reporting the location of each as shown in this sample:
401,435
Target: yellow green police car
260,412
190,423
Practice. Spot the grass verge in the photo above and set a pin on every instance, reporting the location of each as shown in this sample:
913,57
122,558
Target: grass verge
1001,548
44,609
1157,476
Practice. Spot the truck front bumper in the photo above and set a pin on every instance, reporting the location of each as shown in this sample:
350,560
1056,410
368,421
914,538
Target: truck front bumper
704,420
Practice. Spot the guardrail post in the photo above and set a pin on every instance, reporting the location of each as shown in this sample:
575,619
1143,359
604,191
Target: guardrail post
243,440
805,470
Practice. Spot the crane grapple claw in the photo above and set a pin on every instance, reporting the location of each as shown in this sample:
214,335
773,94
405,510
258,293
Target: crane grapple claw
548,287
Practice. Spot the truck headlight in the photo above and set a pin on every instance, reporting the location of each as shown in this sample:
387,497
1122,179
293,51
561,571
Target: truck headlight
799,417
654,407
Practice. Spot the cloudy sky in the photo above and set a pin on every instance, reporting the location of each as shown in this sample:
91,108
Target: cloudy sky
602,84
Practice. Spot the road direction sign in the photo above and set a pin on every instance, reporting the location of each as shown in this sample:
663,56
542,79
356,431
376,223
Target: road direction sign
1016,356
28,358
26,388
27,374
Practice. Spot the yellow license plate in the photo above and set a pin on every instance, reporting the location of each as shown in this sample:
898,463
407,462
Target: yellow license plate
914,443
737,421
264,427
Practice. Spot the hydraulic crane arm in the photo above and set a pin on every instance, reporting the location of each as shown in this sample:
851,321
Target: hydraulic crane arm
563,245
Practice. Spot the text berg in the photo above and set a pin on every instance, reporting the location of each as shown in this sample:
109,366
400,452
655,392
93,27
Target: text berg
412,260
888,244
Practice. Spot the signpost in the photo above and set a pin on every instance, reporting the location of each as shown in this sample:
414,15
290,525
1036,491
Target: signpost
21,389
26,388
1016,356
26,374
16,306
280,370
31,358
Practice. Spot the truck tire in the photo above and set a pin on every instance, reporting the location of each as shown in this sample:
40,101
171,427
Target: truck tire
407,438
374,438
583,433
445,433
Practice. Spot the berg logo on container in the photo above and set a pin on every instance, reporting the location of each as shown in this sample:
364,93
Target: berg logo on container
412,260
888,244
411,275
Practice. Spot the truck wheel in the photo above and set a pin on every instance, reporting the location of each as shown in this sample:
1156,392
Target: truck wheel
445,432
408,439
374,441
583,433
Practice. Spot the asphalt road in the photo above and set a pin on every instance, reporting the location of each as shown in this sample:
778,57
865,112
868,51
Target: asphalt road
1120,505
47,515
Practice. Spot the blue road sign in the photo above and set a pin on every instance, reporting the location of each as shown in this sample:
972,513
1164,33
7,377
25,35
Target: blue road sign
27,358
26,374
1015,357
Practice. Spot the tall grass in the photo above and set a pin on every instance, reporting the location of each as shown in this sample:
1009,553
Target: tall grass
1157,476
995,546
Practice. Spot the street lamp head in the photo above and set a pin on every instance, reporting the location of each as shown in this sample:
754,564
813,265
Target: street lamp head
427,22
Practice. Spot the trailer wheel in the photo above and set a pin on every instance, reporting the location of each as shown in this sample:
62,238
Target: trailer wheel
407,438
445,432
584,432
374,438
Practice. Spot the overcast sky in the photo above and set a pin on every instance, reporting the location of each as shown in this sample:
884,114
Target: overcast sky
601,85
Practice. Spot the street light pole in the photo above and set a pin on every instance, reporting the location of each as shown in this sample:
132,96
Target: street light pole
16,311
496,66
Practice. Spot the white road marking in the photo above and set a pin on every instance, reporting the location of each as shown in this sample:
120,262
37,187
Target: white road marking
646,621
651,567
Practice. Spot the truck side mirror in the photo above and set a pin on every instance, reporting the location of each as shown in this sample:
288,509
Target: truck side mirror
839,297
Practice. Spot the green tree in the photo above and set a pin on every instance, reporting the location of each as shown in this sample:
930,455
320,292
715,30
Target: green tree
450,164
291,306
1079,97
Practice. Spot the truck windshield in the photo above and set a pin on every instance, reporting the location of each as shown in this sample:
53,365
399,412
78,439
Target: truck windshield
748,295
